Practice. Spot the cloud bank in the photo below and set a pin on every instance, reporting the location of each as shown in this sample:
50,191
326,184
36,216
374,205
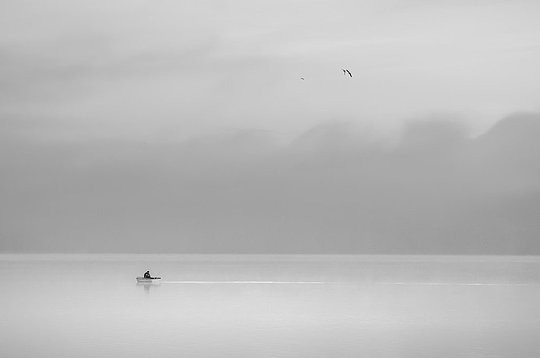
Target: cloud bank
334,189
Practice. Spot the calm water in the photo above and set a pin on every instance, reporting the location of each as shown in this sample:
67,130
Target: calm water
270,306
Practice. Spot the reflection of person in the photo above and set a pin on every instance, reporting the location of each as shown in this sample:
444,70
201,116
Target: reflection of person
147,274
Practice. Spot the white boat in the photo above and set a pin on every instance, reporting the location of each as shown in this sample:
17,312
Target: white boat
147,280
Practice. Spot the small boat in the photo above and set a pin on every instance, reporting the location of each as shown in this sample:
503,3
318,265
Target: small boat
147,280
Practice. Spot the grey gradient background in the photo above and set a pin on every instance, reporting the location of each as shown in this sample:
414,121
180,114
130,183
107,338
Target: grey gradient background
174,126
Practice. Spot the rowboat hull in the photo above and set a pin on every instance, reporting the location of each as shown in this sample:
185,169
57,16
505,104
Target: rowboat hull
148,280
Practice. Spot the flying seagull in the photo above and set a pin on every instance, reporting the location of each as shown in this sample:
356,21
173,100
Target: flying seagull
345,72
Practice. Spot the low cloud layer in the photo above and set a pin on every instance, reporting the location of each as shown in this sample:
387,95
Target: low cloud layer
333,189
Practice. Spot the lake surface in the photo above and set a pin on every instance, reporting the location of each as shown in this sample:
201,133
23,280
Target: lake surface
269,306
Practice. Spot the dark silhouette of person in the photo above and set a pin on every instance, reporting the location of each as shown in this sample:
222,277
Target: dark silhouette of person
147,274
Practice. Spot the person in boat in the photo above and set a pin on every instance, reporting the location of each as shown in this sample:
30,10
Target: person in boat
147,274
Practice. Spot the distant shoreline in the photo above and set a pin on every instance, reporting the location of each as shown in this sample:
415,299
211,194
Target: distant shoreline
265,257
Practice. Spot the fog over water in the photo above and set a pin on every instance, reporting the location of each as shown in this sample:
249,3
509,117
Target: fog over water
270,306
392,145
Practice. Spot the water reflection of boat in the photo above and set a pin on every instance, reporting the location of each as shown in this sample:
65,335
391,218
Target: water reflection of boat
147,286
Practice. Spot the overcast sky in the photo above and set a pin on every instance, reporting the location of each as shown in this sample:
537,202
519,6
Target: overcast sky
187,124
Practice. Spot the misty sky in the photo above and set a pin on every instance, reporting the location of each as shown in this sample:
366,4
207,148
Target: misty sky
186,124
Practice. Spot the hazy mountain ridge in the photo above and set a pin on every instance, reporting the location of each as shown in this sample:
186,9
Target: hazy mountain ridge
334,189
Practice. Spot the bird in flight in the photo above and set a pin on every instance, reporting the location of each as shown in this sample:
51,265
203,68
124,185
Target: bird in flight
346,72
